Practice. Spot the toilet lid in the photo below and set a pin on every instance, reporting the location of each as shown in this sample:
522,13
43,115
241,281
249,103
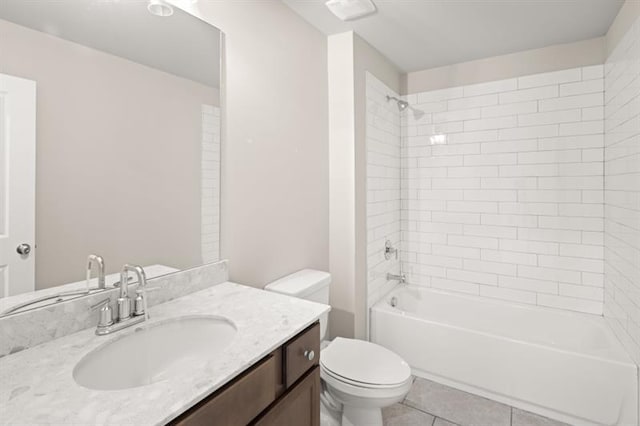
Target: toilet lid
364,362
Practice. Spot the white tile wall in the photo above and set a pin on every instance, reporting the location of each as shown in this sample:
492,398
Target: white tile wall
210,203
383,186
502,189
622,191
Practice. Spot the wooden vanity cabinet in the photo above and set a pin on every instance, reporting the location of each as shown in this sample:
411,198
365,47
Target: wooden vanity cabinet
300,407
282,389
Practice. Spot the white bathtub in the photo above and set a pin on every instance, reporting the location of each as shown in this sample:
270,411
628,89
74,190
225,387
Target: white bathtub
565,366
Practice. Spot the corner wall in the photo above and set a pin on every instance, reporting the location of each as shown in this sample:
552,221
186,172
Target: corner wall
342,234
622,190
367,60
627,16
350,59
383,188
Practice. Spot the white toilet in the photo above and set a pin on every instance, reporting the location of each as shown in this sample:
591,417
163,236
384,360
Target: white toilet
361,376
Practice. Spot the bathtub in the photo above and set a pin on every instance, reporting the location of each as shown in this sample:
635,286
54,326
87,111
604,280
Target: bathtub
566,366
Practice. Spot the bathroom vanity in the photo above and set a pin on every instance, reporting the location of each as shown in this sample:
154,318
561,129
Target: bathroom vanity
261,366
281,389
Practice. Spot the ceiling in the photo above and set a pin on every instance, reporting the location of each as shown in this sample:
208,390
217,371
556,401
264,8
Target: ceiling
181,44
423,34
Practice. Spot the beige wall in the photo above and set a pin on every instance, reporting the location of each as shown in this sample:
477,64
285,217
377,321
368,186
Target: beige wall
275,159
118,157
350,57
629,13
342,236
552,58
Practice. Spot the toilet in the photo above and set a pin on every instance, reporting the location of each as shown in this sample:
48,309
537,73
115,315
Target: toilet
360,376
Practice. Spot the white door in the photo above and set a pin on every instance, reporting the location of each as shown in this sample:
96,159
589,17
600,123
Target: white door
17,185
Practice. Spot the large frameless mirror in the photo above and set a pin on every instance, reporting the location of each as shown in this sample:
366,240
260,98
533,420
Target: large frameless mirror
109,144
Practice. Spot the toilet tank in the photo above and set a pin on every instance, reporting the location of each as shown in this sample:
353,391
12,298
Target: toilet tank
307,284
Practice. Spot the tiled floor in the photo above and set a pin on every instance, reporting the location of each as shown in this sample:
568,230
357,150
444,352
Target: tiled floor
433,404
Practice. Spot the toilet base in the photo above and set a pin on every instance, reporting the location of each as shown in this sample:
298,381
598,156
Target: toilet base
349,416
329,417
358,416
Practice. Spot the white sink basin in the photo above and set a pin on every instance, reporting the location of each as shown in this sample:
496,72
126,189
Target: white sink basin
154,353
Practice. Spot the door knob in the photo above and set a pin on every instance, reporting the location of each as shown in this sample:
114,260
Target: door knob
24,249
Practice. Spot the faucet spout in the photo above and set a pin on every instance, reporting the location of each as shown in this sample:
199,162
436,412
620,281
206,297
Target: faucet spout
99,261
124,302
400,278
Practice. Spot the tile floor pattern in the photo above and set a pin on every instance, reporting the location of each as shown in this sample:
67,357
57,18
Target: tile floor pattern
432,404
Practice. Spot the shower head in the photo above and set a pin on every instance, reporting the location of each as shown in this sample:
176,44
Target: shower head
402,105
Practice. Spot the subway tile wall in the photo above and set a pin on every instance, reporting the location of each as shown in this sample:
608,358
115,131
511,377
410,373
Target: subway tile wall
383,186
502,189
210,188
622,191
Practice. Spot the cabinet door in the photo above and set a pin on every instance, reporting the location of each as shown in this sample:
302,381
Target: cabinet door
239,402
300,406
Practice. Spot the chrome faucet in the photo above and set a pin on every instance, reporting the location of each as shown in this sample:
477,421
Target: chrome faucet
98,260
124,315
400,278
124,302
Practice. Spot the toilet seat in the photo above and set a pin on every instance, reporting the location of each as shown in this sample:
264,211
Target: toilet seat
333,378
357,395
363,364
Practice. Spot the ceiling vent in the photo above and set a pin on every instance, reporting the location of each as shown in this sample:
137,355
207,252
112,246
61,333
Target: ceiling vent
349,10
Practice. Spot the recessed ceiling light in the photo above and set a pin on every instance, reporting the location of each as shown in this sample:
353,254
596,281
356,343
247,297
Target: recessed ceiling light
349,10
160,8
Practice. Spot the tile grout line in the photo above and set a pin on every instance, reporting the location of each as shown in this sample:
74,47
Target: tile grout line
426,412
421,410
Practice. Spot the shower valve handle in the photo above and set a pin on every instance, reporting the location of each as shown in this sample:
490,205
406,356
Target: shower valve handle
390,250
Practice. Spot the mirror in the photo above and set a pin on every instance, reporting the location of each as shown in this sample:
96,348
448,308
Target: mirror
109,143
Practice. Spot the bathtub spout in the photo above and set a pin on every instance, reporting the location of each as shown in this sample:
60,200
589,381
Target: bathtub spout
400,278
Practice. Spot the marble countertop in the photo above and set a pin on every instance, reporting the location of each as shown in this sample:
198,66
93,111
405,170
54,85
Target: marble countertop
37,386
